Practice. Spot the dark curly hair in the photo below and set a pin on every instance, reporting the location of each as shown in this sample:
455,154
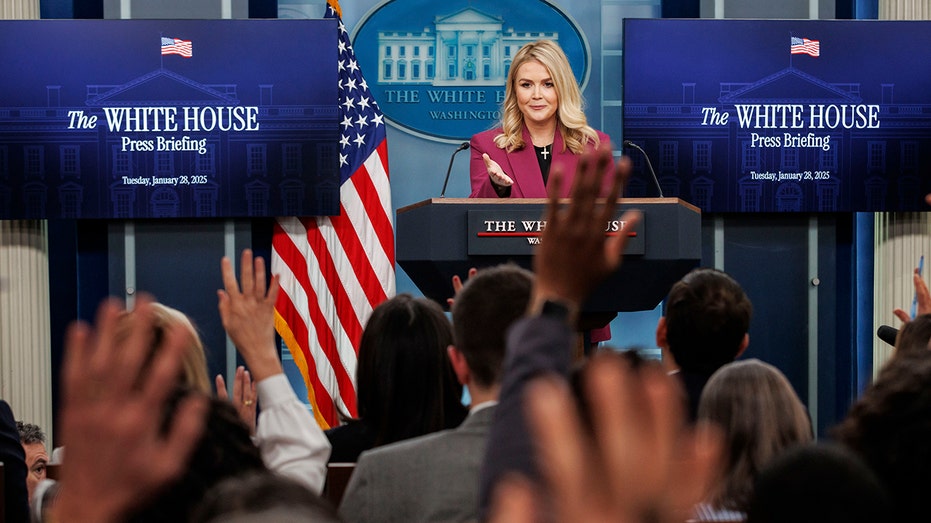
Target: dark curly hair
29,433
890,427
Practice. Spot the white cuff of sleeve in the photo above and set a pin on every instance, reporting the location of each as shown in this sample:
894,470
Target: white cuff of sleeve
274,390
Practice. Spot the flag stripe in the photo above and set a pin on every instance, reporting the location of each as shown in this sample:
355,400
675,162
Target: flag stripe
335,270
292,307
342,281
314,299
334,315
358,246
300,359
376,196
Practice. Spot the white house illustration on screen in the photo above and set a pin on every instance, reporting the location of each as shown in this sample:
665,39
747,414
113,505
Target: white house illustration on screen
467,47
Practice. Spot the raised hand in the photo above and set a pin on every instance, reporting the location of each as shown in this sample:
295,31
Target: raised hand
923,297
574,256
642,465
457,286
244,395
113,404
248,314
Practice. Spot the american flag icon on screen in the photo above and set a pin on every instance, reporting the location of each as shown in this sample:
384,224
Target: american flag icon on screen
177,46
805,46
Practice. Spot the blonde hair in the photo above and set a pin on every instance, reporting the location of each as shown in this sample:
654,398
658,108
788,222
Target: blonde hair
570,114
194,361
761,416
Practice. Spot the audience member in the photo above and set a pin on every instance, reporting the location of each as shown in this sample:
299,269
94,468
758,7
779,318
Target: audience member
642,465
223,451
194,365
435,477
579,377
760,416
290,441
913,336
405,386
15,493
704,326
131,454
33,440
890,426
817,484
120,450
261,496
289,438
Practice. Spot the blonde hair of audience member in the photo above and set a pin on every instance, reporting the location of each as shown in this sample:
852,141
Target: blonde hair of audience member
760,415
194,363
570,115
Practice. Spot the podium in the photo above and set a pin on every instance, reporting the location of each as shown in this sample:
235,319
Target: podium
442,237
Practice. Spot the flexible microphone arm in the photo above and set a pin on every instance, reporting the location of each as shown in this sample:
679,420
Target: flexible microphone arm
628,143
462,147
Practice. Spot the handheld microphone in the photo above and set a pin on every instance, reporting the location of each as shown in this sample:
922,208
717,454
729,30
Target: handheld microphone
462,147
887,334
628,143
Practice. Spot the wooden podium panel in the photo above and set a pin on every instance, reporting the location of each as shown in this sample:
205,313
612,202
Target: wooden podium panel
439,238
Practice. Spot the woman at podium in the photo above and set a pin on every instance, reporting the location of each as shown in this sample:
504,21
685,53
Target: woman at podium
542,124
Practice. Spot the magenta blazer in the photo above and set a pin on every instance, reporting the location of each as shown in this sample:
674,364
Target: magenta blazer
522,166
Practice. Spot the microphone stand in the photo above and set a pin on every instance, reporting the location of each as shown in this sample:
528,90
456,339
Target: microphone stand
628,143
462,147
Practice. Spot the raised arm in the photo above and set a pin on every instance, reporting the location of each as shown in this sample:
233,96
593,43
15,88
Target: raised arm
641,467
573,257
289,439
113,403
922,297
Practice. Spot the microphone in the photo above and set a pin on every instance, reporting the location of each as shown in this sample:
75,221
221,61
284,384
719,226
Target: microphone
887,334
628,143
462,147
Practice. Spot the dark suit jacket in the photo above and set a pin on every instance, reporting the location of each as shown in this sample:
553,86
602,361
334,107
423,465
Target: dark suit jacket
431,478
521,165
349,440
534,346
14,468
693,383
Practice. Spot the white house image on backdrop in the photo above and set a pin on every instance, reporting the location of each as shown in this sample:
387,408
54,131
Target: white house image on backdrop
467,47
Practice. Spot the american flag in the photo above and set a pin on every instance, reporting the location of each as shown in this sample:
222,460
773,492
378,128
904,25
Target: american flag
805,46
177,46
335,270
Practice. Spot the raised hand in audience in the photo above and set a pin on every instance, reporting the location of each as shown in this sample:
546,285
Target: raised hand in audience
113,404
244,395
457,286
642,465
291,443
923,298
574,256
248,314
